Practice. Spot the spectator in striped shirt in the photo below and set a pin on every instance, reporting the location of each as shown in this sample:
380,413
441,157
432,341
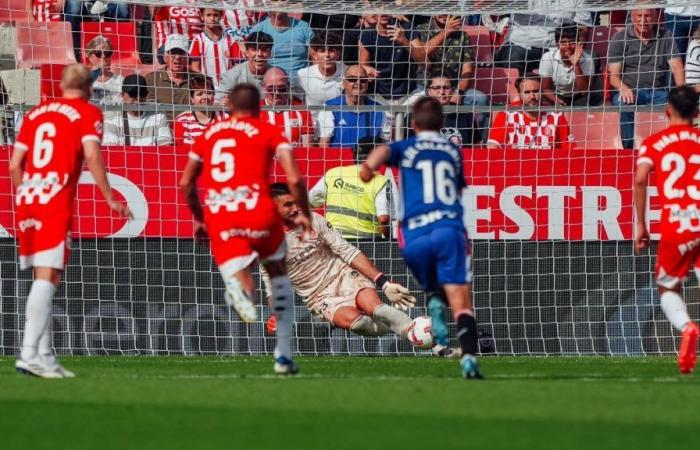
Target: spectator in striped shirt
213,52
258,46
191,124
298,125
45,10
692,61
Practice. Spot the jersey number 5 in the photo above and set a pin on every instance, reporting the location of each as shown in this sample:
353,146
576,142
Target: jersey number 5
675,163
438,179
43,145
222,161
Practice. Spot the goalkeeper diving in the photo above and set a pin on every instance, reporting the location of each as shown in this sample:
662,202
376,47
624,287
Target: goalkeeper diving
336,280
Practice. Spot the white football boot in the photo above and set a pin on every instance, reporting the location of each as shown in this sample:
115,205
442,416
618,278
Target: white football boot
51,362
238,298
36,367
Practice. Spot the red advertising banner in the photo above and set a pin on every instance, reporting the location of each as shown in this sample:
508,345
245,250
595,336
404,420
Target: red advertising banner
565,194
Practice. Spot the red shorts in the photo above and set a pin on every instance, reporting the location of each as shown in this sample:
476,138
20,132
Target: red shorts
237,247
676,254
43,241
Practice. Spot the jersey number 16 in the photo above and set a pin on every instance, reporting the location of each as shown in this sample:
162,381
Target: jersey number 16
438,179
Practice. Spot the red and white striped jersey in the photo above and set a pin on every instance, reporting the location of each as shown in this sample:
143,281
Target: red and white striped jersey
517,130
294,124
45,11
215,57
187,128
176,20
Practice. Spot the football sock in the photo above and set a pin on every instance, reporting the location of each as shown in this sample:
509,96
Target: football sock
45,344
283,308
466,333
673,306
436,308
365,326
395,319
38,313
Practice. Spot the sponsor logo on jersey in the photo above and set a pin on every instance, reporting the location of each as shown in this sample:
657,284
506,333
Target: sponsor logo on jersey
430,217
232,199
688,219
39,188
26,224
244,232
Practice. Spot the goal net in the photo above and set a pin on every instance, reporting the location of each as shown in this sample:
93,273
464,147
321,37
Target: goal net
549,161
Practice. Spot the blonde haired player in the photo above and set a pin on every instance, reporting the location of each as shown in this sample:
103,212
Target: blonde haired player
338,282
674,154
56,136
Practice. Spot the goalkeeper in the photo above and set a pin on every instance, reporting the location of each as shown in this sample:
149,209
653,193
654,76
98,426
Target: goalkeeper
336,279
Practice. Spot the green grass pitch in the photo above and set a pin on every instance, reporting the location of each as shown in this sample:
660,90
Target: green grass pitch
351,403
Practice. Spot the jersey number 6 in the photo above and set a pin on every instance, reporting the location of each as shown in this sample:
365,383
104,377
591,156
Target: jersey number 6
43,145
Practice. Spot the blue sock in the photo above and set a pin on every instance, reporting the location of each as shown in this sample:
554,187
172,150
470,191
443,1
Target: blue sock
436,308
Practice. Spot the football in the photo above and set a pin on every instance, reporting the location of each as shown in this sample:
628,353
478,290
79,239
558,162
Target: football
420,333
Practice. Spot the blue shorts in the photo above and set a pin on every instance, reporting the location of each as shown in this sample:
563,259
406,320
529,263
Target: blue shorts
441,256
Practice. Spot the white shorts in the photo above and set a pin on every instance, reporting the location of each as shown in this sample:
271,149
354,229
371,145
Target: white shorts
55,258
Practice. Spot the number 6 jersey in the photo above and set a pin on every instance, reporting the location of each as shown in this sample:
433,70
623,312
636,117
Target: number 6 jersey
52,135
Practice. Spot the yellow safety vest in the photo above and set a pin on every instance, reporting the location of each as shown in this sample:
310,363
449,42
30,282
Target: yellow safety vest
350,202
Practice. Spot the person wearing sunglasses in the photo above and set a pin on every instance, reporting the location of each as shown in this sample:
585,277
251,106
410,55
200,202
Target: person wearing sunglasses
297,125
107,85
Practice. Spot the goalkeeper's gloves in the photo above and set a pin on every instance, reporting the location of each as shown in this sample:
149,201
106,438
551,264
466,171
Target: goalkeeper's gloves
398,295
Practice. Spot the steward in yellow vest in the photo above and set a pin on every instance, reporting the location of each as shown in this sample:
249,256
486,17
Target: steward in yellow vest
357,209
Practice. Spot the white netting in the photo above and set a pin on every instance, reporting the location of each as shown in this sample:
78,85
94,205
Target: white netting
554,272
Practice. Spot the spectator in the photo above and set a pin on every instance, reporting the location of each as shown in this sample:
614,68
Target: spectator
107,85
358,210
692,61
566,71
529,36
448,47
169,85
298,125
681,22
324,79
136,127
191,124
46,11
345,128
638,61
213,51
529,130
345,26
390,52
258,47
458,127
291,39
182,20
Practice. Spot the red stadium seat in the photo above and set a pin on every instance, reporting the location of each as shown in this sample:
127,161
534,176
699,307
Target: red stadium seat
481,42
51,81
595,130
43,43
13,11
497,82
122,35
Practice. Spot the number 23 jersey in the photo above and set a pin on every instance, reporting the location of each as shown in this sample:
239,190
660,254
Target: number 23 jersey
236,157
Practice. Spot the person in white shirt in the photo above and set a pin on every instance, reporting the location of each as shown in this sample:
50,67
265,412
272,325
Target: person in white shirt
107,85
681,22
566,70
323,80
140,128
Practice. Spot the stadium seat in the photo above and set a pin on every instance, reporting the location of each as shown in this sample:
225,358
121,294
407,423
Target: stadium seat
595,130
481,42
13,11
43,43
122,35
497,82
51,81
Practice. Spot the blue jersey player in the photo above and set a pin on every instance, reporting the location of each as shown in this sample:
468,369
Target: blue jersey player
433,236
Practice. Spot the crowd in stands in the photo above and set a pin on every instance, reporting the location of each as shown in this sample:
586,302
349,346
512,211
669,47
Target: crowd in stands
351,63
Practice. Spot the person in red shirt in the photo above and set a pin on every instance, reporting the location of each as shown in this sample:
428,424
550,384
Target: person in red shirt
298,125
233,159
56,136
191,124
528,129
213,52
46,10
674,154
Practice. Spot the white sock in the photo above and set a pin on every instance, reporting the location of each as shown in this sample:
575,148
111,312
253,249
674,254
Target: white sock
395,319
367,326
283,308
46,340
673,306
38,313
